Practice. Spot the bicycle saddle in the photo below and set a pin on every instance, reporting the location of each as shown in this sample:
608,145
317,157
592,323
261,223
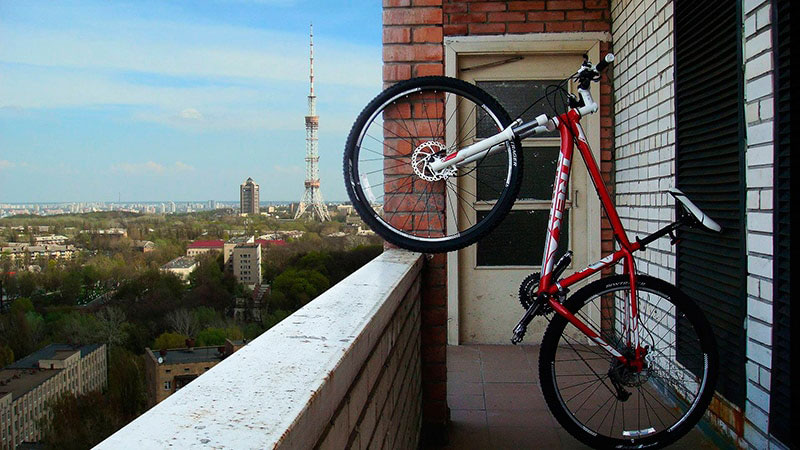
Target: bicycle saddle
694,210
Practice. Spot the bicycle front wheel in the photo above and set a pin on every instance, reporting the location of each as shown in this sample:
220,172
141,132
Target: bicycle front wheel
601,402
386,162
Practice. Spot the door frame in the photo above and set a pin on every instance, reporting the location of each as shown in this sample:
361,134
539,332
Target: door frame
456,46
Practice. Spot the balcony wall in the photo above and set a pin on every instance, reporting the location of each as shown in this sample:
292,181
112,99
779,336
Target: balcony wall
343,371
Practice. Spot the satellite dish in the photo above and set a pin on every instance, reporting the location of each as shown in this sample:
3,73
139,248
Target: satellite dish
160,360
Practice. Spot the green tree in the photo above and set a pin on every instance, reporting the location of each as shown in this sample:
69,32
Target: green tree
169,340
126,386
6,355
300,286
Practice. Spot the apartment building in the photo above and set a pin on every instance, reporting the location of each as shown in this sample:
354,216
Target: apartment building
246,263
181,266
249,197
198,248
18,251
168,370
27,385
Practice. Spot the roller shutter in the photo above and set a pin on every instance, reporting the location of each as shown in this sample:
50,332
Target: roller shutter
711,267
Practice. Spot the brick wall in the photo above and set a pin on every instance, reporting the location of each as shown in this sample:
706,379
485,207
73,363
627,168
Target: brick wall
514,17
413,47
644,131
758,93
382,407
645,166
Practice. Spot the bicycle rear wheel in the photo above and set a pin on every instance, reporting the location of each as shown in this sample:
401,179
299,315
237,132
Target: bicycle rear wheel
398,134
664,401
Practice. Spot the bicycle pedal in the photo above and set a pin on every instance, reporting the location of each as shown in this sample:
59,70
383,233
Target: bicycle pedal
522,326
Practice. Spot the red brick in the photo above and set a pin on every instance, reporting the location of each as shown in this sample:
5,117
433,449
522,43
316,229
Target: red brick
455,30
412,16
565,4
584,15
597,26
529,27
468,18
395,3
487,6
596,4
516,16
428,34
437,260
434,412
424,70
525,5
434,372
487,28
396,72
455,8
563,26
419,52
396,35
434,390
427,2
545,16
432,317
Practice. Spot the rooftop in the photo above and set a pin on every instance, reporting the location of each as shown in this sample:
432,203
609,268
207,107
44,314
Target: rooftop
19,381
240,240
266,242
181,262
197,354
51,352
216,243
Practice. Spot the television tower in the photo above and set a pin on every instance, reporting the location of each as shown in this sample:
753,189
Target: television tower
312,202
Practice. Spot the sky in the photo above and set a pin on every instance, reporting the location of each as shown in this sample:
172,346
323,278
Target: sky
155,100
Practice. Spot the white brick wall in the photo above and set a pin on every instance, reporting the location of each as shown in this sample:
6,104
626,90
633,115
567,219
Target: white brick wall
645,124
645,165
758,70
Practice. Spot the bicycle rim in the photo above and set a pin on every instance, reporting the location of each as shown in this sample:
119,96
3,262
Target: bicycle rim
666,399
403,130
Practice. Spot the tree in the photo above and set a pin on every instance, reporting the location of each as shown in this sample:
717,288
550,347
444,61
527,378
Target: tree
126,388
183,322
170,340
6,355
109,326
300,286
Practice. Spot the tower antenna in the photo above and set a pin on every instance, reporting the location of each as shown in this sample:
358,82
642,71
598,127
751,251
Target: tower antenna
312,202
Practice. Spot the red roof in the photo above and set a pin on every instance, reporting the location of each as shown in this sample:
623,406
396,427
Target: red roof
207,244
266,242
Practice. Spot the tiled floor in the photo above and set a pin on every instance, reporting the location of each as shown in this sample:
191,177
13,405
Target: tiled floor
495,402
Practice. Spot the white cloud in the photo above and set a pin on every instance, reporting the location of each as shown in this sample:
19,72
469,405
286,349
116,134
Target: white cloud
289,170
151,168
191,114
5,164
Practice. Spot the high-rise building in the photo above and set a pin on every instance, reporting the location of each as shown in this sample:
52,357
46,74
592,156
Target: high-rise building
248,197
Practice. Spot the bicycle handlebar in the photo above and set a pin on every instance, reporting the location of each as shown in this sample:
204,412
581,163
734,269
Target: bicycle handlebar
608,59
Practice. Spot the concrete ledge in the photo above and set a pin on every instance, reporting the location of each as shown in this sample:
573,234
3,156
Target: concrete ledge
283,388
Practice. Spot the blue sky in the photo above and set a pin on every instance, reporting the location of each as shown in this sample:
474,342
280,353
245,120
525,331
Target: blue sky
177,100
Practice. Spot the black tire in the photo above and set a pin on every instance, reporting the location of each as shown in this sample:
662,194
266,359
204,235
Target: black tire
576,378
403,118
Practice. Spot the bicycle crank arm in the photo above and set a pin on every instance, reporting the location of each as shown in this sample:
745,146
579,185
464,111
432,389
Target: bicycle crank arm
522,326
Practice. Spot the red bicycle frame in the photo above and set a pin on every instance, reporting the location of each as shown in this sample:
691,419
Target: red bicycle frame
571,133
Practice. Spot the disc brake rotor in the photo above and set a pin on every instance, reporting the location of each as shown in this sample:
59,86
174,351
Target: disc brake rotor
426,153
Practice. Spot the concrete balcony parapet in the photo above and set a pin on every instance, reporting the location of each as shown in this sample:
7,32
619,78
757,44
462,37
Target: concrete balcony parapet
342,371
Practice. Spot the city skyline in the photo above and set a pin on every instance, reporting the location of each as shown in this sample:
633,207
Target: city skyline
172,101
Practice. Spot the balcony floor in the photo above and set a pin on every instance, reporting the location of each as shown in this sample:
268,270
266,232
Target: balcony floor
495,402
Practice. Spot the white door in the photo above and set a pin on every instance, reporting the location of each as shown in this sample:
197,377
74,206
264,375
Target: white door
489,273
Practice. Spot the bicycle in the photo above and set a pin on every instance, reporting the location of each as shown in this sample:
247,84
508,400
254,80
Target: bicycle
624,340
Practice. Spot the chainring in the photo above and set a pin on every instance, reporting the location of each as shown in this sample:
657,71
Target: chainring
527,290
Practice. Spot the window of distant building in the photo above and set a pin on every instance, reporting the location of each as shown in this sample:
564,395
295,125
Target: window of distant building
167,385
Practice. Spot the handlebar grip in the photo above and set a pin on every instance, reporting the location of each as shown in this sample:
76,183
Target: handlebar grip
601,66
